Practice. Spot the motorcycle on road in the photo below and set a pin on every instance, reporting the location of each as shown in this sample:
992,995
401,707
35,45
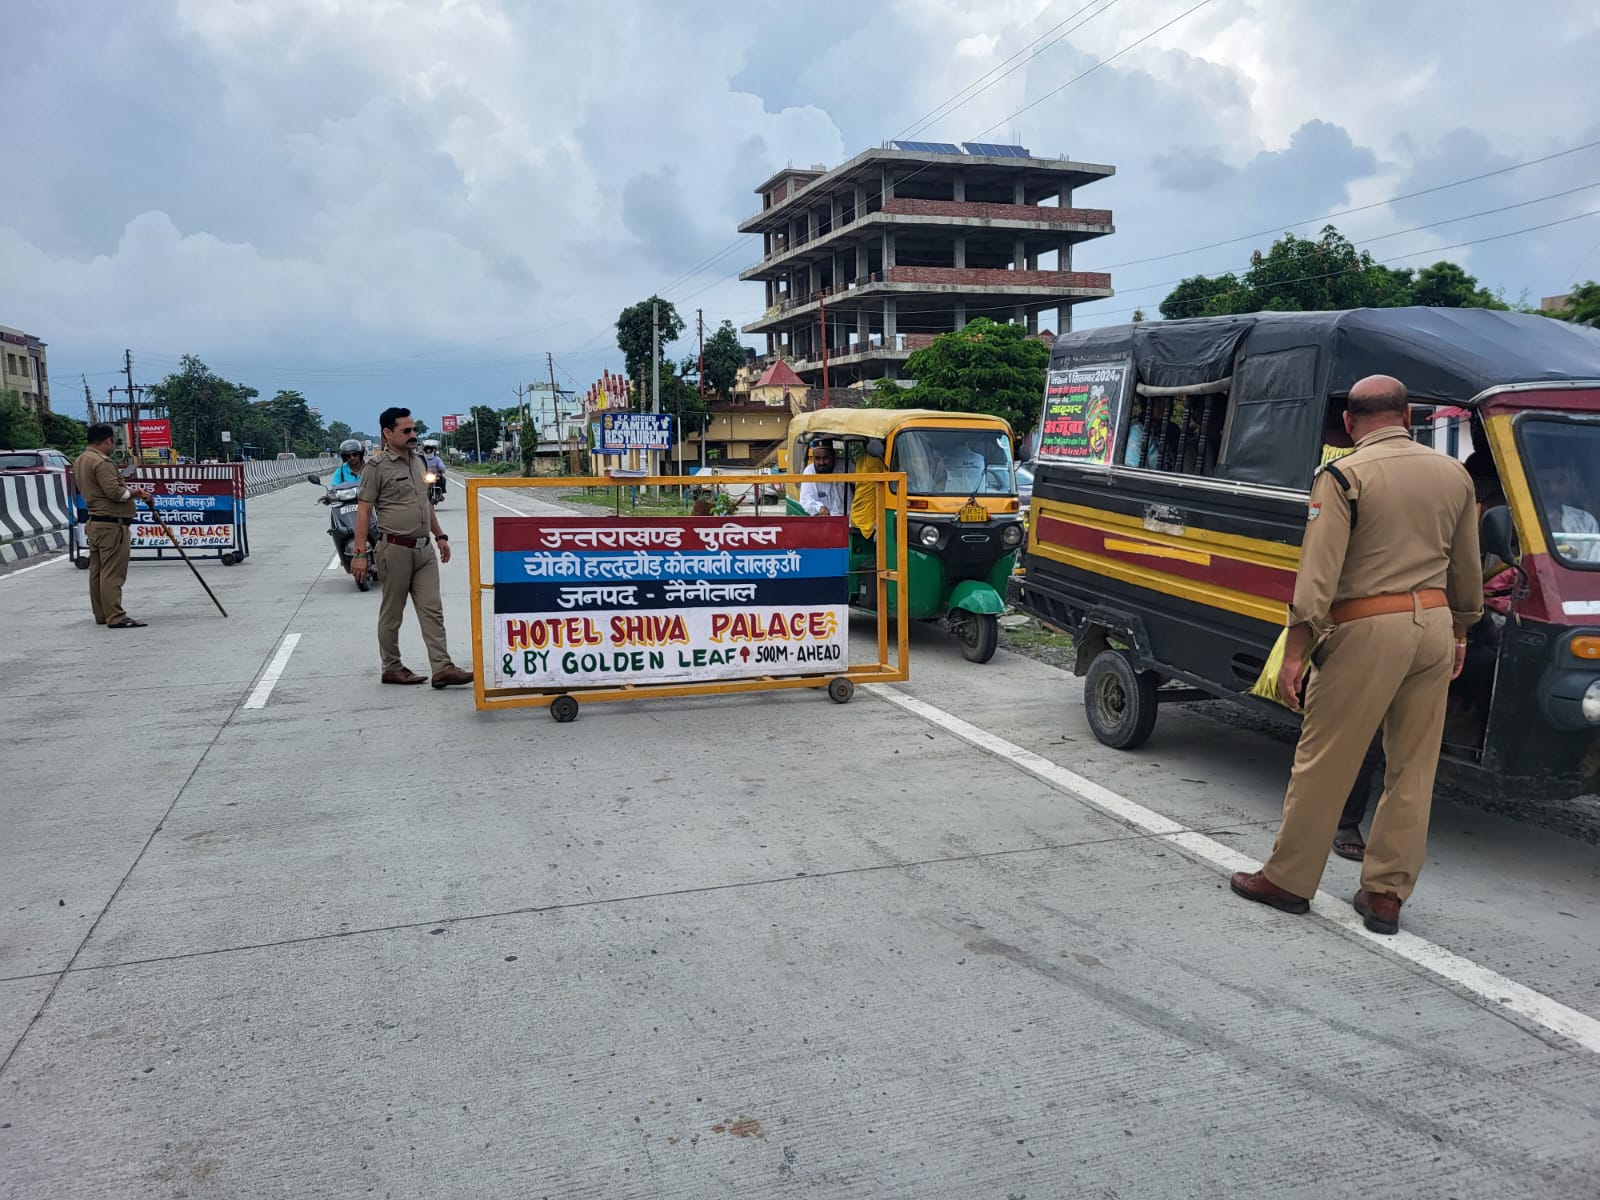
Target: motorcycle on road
341,504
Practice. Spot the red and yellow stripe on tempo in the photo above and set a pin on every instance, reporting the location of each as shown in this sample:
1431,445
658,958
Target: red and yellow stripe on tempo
1253,577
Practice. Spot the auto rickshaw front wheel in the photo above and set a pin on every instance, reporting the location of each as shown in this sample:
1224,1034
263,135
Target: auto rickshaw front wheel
1119,701
979,635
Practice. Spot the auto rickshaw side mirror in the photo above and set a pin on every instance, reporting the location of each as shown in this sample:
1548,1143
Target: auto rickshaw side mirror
1496,536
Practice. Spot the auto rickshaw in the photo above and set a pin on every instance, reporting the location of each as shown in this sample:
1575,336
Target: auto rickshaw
961,510
1168,545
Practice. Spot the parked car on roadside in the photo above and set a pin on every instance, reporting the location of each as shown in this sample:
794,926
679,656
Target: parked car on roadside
33,462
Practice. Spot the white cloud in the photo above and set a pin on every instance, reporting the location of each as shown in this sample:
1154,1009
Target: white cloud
323,190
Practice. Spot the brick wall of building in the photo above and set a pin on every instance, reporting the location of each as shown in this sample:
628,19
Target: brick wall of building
899,206
978,277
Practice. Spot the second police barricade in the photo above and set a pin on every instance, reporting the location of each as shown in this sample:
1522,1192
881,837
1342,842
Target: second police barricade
202,504
593,608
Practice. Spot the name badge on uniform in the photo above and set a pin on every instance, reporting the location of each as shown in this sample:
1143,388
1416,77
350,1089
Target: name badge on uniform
1314,512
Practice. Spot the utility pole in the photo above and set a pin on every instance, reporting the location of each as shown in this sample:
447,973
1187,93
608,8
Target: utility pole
822,317
522,406
133,405
88,398
700,323
555,407
655,376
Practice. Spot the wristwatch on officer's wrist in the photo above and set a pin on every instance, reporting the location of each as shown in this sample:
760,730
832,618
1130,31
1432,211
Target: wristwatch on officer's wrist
441,537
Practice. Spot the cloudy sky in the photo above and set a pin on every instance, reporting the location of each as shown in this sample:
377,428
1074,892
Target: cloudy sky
412,201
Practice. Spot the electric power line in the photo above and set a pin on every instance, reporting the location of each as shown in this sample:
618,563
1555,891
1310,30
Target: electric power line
959,99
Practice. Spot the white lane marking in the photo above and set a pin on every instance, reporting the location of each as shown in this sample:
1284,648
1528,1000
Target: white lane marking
269,677
484,494
35,567
1465,974
333,563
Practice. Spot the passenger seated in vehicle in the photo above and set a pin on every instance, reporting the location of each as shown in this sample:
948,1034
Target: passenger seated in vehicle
863,503
961,468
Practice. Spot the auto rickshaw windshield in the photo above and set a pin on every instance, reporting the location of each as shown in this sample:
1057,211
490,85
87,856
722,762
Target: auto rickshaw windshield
1561,460
955,462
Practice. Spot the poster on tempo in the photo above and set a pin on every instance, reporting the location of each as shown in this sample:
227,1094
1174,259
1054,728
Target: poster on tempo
580,603
1082,406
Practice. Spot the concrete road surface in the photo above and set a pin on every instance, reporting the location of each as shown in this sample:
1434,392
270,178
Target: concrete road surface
292,933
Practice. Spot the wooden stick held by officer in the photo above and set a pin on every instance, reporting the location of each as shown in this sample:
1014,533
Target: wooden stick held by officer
392,486
113,511
1389,576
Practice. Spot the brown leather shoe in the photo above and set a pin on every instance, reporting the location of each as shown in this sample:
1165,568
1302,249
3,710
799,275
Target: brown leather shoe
449,676
1381,910
404,675
1253,885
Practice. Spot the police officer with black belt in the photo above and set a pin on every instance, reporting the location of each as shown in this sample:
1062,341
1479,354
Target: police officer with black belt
113,511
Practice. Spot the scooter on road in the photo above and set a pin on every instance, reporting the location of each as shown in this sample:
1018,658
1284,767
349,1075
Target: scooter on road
342,506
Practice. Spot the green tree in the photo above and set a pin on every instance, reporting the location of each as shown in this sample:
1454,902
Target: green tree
1193,297
1583,305
481,427
338,432
984,368
724,356
1295,275
1447,285
19,424
202,404
633,339
65,434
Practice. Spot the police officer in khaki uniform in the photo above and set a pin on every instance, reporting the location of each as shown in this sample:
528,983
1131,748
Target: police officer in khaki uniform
1389,576
113,512
392,485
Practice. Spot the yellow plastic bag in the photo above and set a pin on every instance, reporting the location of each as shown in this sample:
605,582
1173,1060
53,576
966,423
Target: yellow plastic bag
1267,685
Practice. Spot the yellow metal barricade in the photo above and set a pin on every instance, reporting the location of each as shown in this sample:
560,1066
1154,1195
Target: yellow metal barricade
840,683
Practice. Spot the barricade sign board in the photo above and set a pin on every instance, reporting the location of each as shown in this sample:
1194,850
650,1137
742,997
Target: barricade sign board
581,602
199,511
203,504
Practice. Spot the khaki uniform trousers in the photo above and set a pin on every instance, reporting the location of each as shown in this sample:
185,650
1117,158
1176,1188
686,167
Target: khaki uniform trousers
410,572
1391,670
110,544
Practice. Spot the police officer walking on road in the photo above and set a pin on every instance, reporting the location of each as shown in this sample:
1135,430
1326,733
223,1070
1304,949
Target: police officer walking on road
1388,568
113,512
392,486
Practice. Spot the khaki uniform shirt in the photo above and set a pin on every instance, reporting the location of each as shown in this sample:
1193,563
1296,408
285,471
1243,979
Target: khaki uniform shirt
393,484
102,487
1416,527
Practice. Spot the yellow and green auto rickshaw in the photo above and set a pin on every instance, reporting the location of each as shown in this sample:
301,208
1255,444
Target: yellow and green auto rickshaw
961,504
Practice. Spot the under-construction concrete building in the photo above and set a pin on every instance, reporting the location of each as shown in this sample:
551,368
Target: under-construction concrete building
903,243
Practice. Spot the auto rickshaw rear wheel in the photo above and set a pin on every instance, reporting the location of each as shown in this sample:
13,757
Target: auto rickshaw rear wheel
1119,701
979,635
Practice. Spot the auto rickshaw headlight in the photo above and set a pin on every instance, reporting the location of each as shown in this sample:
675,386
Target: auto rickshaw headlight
929,535
1011,535
1591,703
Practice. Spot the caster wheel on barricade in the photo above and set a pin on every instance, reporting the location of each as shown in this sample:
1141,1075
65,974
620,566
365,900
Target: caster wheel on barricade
564,709
841,690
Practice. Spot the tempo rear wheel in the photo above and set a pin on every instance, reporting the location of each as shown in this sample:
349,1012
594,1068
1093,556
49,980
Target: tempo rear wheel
1119,701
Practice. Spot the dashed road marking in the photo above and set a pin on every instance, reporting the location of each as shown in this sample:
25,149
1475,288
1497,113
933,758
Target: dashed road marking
269,677
1489,986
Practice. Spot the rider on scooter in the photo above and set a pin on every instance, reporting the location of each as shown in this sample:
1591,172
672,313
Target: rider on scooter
349,472
432,461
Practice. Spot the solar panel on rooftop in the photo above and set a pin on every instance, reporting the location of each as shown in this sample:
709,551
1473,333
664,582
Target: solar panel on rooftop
994,150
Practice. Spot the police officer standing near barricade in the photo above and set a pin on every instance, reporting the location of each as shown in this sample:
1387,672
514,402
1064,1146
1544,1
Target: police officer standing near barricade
1389,576
392,486
113,511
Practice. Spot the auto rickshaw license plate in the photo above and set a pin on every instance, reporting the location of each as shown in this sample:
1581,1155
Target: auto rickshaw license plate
972,514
